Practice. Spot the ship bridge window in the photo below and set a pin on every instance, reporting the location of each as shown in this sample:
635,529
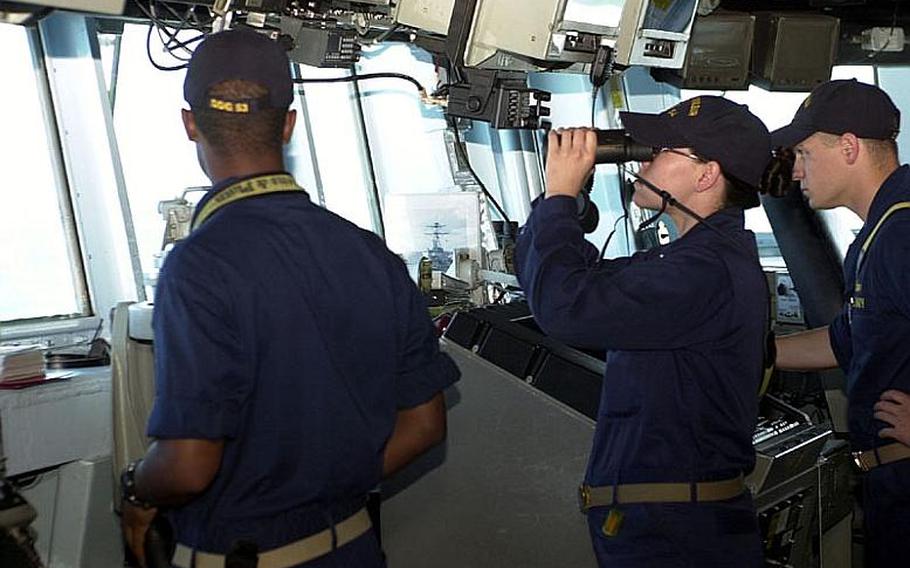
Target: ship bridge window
574,104
158,161
430,199
356,149
406,137
160,164
41,274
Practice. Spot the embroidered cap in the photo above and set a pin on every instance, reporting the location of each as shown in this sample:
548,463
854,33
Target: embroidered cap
714,128
239,55
842,106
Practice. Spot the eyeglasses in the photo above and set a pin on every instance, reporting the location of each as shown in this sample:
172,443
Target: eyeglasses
693,157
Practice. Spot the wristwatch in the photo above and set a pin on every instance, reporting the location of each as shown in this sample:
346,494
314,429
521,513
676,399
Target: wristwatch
128,487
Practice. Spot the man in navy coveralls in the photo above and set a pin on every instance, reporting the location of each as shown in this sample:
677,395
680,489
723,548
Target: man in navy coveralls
295,360
684,327
843,137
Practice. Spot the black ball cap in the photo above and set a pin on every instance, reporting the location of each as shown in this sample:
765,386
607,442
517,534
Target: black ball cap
842,106
239,55
714,128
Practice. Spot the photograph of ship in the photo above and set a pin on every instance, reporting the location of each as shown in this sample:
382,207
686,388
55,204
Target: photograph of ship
440,257
433,226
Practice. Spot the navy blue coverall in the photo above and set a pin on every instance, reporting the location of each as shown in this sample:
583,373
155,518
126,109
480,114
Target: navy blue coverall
874,352
684,327
295,337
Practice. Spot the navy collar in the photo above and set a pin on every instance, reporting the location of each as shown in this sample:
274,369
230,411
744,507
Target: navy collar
891,191
729,221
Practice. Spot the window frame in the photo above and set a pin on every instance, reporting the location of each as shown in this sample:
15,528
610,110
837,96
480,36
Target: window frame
91,177
25,327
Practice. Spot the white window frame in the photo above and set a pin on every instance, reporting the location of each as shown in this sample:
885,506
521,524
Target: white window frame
12,330
88,166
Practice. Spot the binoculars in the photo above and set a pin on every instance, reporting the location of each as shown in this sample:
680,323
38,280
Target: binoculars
615,146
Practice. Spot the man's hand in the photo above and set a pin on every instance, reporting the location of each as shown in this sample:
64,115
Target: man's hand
135,523
894,408
570,160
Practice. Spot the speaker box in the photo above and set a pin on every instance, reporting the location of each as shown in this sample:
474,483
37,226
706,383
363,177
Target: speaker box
718,54
569,383
793,52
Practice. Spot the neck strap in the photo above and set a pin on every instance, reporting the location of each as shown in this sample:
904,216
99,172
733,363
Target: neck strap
868,242
252,187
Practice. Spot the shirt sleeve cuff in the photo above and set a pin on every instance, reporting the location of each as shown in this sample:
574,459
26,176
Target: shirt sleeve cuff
556,205
420,385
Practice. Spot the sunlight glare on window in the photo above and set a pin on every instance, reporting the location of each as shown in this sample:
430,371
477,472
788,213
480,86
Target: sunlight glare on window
37,278
159,162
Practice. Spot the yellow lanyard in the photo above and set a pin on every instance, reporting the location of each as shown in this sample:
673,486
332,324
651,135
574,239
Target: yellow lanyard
252,187
857,301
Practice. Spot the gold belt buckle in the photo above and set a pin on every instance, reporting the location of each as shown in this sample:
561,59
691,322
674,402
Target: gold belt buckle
858,460
584,498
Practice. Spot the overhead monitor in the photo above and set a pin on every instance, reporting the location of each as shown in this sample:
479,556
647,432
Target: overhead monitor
718,55
430,15
793,52
114,7
653,33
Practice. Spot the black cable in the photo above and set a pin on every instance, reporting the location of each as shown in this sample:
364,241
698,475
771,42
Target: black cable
369,153
155,64
354,78
198,24
463,153
172,42
158,26
668,199
875,54
603,249
165,42
365,77
594,104
150,12
145,11
184,19
663,209
625,210
442,90
385,35
181,22
624,200
183,44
